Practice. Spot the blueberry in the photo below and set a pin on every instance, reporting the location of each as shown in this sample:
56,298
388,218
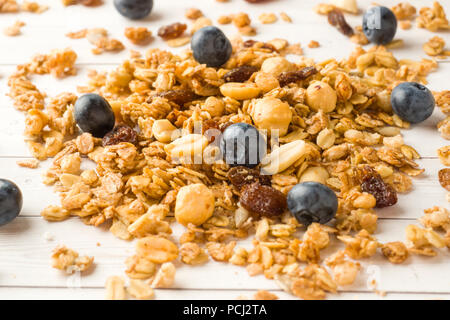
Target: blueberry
241,144
93,114
134,9
412,102
379,25
10,201
211,47
312,202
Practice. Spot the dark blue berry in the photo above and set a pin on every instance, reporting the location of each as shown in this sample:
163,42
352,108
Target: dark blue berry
93,114
379,25
134,9
242,145
211,47
10,201
312,202
412,102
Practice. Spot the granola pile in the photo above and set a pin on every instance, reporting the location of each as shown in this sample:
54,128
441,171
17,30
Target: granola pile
145,180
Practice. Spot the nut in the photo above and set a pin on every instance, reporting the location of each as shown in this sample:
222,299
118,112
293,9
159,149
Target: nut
156,249
281,158
315,174
240,91
320,96
276,65
194,204
163,130
272,114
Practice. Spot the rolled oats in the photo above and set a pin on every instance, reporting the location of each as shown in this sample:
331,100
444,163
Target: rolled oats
115,288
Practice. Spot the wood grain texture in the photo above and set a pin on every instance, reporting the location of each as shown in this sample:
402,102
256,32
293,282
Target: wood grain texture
25,270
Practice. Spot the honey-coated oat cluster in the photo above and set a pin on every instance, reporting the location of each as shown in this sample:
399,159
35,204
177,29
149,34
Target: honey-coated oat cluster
335,126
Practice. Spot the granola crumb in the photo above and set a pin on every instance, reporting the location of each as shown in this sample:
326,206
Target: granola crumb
14,30
138,35
29,163
285,17
313,44
68,260
193,13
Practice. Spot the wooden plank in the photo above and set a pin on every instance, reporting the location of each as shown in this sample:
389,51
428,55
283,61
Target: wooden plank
25,260
39,293
426,193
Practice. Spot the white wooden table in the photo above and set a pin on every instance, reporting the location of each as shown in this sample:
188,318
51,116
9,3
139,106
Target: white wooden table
25,270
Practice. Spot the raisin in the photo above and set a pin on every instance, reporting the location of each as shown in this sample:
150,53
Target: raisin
172,31
444,178
239,74
293,76
372,183
120,133
180,96
210,128
337,19
263,200
240,176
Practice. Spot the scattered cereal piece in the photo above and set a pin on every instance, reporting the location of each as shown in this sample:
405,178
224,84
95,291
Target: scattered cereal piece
285,17
140,290
115,288
433,18
313,44
193,13
265,295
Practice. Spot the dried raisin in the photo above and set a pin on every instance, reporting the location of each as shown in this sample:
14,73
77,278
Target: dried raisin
172,31
372,183
263,200
239,74
240,176
293,76
120,133
179,96
444,178
337,19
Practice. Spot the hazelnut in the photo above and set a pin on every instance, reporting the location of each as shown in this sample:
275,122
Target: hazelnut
320,96
266,81
276,65
163,130
194,204
272,114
